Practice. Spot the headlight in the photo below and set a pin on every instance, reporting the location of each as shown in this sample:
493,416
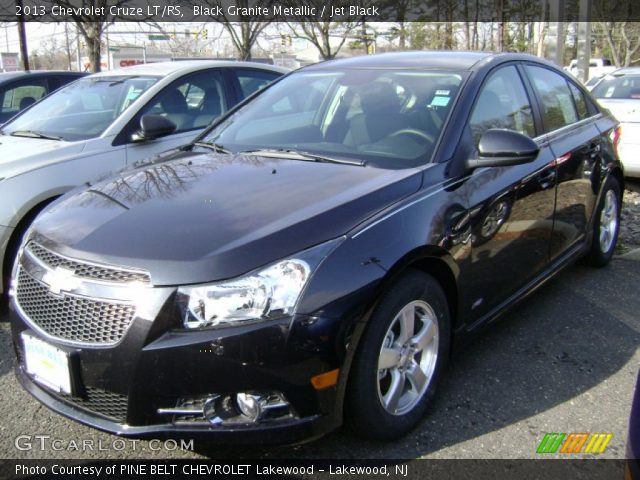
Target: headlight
266,294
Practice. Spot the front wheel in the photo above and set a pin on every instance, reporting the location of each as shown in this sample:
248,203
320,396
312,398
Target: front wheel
401,357
606,225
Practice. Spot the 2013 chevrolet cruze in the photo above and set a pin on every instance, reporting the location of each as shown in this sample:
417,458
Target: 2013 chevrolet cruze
315,255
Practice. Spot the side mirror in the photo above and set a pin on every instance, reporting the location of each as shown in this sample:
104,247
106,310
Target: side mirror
153,126
502,148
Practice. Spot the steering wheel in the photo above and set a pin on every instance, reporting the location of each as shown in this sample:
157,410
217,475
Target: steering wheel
415,132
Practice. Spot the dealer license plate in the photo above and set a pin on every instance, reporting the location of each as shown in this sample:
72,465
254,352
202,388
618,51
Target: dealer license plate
47,364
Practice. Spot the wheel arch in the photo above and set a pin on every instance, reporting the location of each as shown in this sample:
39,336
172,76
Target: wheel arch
19,230
438,263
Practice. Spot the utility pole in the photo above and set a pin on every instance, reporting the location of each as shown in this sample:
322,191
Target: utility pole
66,40
78,60
22,34
556,31
584,40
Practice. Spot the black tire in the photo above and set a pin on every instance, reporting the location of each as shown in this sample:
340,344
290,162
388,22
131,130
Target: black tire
599,255
365,412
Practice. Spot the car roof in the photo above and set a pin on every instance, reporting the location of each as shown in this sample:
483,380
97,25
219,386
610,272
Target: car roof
446,60
7,76
627,70
185,66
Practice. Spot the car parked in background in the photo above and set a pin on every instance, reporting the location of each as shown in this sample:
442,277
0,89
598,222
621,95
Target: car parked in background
597,67
593,81
105,122
619,92
315,255
19,90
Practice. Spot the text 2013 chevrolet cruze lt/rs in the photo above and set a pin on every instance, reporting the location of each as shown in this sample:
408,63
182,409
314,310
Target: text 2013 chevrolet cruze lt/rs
314,257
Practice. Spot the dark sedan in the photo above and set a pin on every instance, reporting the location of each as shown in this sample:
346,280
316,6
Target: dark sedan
317,254
19,90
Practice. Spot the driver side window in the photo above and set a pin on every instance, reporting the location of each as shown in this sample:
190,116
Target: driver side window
502,103
193,102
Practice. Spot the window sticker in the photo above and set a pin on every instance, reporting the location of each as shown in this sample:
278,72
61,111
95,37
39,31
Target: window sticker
442,92
439,101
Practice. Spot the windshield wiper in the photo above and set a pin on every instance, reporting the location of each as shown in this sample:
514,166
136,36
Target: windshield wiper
216,147
32,134
301,155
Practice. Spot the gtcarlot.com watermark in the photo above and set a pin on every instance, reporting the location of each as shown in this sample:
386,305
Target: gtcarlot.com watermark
48,443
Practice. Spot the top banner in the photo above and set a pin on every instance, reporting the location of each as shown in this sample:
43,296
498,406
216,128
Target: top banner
319,10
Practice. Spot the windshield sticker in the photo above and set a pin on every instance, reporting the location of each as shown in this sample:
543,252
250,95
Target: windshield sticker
440,101
134,93
442,92
609,91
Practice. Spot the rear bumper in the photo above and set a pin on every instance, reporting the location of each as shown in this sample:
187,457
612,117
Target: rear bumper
629,149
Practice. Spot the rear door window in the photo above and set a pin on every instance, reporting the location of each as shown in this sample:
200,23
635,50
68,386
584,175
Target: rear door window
556,99
579,99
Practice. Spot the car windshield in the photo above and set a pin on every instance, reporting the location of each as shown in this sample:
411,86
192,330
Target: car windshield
81,110
390,119
620,86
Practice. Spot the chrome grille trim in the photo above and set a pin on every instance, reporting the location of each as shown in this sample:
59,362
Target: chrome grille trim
84,269
70,318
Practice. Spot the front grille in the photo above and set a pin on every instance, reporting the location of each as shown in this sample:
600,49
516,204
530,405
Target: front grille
70,317
102,402
86,270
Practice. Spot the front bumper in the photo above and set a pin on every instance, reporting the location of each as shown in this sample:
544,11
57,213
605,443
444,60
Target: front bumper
5,235
123,386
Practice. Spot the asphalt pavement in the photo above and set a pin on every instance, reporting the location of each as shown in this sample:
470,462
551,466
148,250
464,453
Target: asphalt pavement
565,360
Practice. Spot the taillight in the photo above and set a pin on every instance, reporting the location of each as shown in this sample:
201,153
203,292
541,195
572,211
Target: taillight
615,138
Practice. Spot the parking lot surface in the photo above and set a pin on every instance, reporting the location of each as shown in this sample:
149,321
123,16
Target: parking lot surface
565,360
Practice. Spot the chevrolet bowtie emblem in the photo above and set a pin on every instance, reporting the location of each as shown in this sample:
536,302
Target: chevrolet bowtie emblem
60,279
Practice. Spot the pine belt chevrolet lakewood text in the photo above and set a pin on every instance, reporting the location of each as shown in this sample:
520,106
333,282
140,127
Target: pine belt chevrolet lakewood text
314,257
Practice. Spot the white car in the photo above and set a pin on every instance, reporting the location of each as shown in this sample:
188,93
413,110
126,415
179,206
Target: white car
597,67
619,92
104,122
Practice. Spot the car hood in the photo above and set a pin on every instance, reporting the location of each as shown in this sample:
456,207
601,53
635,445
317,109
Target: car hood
21,154
627,111
196,218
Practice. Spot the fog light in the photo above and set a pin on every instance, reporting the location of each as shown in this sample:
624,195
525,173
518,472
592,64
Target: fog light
249,406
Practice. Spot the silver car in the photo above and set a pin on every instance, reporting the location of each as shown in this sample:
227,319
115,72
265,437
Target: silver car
619,92
105,122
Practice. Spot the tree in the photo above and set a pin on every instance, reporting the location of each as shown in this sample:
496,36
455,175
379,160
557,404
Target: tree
622,41
319,31
402,13
245,27
91,26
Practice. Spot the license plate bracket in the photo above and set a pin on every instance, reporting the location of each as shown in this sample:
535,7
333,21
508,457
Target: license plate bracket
51,366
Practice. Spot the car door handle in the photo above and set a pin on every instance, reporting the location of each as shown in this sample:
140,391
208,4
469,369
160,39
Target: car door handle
547,179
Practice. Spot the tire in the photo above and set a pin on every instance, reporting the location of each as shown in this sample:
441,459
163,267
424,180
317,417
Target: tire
606,225
386,403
